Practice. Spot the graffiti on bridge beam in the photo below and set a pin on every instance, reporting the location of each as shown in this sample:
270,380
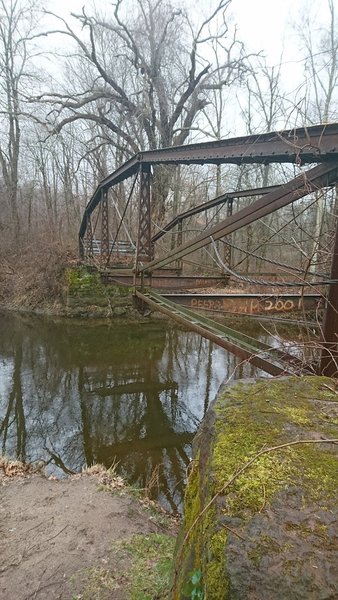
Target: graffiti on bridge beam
253,305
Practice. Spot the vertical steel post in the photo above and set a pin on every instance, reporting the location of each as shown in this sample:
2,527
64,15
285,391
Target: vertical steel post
104,229
179,242
227,240
144,246
329,355
89,244
144,251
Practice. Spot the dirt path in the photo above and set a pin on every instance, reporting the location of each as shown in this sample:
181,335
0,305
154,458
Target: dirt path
58,538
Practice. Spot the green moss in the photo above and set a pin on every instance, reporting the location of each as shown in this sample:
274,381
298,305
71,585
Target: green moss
296,414
192,496
204,550
319,473
82,282
87,288
190,552
249,418
215,578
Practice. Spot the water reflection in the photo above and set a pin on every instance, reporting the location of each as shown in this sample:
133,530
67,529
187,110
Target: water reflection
75,393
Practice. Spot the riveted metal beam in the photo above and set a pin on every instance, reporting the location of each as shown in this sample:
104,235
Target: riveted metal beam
321,176
104,229
302,145
224,198
144,245
329,355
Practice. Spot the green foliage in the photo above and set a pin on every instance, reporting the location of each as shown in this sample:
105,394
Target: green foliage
194,589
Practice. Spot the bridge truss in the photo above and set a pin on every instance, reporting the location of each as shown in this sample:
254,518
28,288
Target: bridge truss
118,232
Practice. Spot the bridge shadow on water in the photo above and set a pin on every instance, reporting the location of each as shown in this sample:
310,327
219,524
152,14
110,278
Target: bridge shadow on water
74,393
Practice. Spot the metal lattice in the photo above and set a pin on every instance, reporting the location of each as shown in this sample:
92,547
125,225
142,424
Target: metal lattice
104,230
144,246
89,245
228,239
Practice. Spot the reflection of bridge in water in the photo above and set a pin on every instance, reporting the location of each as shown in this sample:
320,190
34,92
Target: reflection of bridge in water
76,394
117,237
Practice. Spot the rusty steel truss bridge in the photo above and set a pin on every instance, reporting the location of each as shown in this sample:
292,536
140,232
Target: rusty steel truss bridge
122,237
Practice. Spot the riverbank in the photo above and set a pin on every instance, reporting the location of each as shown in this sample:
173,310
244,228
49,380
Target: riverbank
53,283
87,537
50,281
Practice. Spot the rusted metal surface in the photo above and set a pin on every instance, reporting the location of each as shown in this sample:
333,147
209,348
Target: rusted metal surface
318,144
300,146
247,349
321,176
227,251
329,356
104,229
223,199
167,282
89,241
144,245
248,303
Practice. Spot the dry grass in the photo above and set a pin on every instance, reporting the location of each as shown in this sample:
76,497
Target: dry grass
107,478
32,274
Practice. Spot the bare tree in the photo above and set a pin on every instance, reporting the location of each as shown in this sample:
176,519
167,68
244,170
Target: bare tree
17,23
149,75
320,47
12,60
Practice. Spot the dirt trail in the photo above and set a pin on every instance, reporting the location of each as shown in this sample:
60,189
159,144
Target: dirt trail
52,533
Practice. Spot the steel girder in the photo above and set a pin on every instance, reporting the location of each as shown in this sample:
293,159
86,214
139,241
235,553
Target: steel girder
320,176
227,241
104,229
144,246
300,146
224,198
329,356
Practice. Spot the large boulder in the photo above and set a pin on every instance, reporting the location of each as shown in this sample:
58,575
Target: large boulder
261,515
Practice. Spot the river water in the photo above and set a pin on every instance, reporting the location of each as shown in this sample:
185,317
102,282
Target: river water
77,392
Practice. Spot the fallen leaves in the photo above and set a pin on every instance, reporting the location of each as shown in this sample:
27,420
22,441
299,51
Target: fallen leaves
14,468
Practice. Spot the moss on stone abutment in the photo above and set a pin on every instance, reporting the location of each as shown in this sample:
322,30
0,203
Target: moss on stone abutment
87,296
261,515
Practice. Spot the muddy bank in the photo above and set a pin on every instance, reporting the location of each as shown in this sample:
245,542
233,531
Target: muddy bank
86,537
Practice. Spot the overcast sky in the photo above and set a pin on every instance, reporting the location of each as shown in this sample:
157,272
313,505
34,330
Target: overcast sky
262,24
266,26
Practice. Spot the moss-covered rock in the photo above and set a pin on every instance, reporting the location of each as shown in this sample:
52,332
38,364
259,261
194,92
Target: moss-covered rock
262,522
88,296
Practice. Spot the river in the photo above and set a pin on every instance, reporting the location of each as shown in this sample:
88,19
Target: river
76,393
